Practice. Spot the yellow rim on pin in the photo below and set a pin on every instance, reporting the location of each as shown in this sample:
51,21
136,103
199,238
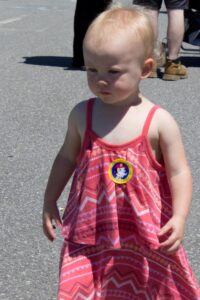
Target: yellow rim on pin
120,171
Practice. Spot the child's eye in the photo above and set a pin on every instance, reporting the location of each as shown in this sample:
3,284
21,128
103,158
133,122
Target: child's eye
92,70
114,71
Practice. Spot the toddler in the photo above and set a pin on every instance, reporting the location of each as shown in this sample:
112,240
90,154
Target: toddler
124,221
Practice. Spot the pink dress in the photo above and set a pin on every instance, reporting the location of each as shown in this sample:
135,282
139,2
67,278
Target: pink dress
118,201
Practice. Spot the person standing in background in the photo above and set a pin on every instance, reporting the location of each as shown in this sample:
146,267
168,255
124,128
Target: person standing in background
85,12
174,70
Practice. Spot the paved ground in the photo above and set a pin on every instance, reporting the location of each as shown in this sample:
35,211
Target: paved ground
37,92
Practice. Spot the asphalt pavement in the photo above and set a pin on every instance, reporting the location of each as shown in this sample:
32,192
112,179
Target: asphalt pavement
38,89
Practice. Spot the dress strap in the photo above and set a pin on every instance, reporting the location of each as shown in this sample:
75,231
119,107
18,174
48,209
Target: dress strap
149,119
89,114
86,139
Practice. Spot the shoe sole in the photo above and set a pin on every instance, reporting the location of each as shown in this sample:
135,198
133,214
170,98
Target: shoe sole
174,77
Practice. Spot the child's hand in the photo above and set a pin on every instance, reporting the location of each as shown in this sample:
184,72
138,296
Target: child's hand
171,234
50,215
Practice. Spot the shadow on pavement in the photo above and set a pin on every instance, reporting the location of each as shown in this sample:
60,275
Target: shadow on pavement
191,61
51,61
66,62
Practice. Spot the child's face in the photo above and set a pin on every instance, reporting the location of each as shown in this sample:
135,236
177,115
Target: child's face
114,69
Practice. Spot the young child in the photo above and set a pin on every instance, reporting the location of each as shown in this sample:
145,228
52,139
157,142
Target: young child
131,191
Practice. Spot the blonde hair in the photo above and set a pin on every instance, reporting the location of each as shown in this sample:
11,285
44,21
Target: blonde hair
118,19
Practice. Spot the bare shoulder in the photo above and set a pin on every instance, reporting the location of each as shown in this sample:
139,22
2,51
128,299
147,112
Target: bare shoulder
79,109
73,137
78,116
165,119
166,125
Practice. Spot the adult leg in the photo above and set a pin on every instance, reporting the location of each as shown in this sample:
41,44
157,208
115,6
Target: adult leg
174,70
175,32
153,15
85,12
81,22
159,49
153,9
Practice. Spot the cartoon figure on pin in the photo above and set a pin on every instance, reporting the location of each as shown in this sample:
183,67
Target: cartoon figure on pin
120,171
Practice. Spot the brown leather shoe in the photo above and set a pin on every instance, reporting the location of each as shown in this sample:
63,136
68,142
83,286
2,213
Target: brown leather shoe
174,70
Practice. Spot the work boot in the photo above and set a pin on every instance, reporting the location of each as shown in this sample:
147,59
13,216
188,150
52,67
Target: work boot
159,58
174,70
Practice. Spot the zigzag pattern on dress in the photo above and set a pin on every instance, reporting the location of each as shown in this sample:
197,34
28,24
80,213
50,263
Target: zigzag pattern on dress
111,248
139,206
91,272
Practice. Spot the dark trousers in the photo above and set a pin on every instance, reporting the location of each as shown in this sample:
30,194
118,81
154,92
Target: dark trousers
86,11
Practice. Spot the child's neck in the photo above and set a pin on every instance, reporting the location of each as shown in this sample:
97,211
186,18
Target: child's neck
132,101
117,124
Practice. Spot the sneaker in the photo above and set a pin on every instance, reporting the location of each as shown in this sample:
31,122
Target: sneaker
174,70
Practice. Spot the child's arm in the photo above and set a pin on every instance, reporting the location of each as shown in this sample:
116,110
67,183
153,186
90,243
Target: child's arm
61,171
180,182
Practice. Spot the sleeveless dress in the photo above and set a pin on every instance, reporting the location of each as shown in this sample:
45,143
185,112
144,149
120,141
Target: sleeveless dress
118,202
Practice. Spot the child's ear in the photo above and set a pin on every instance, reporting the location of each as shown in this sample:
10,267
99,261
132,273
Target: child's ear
147,68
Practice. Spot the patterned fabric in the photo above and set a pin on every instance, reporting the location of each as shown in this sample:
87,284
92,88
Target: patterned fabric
111,248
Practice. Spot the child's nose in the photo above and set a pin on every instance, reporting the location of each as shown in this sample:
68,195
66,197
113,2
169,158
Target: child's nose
102,81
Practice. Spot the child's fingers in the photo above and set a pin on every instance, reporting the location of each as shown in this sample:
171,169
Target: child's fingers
48,229
165,229
169,242
58,224
174,247
58,221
